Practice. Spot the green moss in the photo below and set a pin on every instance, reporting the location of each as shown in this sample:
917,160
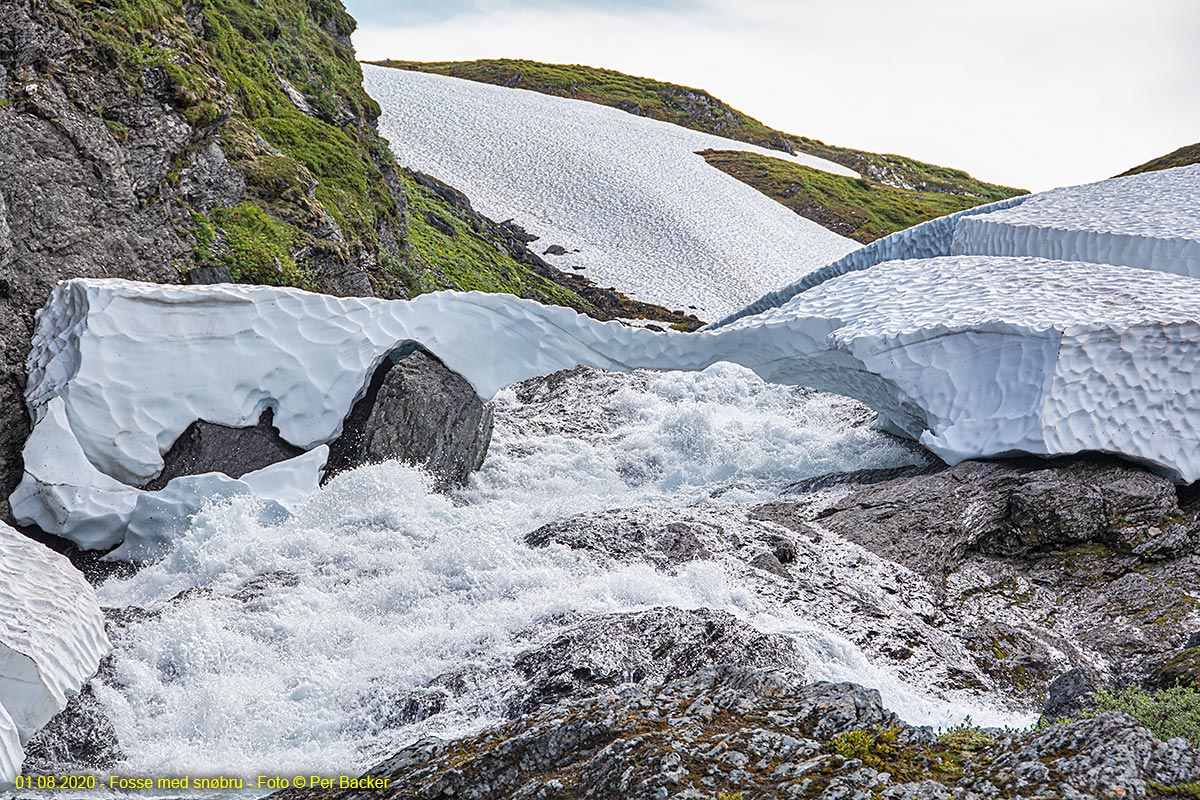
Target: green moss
463,260
1183,157
300,171
253,245
117,130
861,209
1184,790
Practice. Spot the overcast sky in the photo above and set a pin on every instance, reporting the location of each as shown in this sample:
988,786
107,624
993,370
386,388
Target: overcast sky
1031,93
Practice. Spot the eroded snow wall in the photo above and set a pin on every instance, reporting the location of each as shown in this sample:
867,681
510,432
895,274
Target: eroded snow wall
51,641
973,356
1148,221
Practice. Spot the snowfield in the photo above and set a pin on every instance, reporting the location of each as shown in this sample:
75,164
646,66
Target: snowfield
645,213
1148,221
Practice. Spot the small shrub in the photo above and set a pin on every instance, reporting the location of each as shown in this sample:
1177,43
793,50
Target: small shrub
1166,713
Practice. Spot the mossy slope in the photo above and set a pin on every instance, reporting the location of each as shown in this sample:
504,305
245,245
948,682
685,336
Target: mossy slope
1183,157
858,208
319,202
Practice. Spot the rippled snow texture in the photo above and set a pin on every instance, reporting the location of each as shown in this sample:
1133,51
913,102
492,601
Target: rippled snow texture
1149,221
646,214
377,585
51,640
974,356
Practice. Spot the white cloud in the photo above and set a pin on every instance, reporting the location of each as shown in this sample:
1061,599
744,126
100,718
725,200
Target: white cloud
1033,93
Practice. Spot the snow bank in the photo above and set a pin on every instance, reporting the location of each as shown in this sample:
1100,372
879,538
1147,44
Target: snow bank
1149,221
927,240
974,356
628,193
51,640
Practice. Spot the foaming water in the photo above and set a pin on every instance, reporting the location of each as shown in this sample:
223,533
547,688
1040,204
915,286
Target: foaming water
288,648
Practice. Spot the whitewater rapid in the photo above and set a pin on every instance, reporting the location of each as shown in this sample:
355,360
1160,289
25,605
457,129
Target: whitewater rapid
289,647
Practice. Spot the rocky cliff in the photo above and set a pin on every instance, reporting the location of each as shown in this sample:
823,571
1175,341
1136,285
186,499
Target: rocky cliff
210,140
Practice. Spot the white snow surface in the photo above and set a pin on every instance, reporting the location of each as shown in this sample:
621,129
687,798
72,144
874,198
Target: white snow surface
628,193
974,356
51,640
1149,221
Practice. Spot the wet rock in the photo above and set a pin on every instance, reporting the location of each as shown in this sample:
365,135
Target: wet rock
81,737
209,447
760,734
1014,509
419,411
645,647
555,250
1068,695
206,275
627,534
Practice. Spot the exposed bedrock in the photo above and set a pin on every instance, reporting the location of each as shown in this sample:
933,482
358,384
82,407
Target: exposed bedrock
993,577
419,411
592,654
651,647
738,732
209,447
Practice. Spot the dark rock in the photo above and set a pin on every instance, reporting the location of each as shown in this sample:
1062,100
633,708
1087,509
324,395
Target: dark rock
81,737
1068,695
729,732
209,447
208,275
1180,669
439,224
1014,509
627,535
645,647
863,477
555,250
419,411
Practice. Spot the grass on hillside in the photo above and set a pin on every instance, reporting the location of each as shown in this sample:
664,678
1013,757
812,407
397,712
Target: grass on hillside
1183,157
858,208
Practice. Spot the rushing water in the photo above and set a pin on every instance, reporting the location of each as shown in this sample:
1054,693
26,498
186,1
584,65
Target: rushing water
286,647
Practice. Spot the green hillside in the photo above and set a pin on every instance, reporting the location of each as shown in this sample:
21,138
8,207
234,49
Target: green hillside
857,208
1183,157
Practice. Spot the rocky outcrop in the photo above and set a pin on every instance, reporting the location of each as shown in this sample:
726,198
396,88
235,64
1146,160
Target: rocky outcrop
124,154
1083,562
81,737
645,647
209,447
598,653
419,411
736,732
986,577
